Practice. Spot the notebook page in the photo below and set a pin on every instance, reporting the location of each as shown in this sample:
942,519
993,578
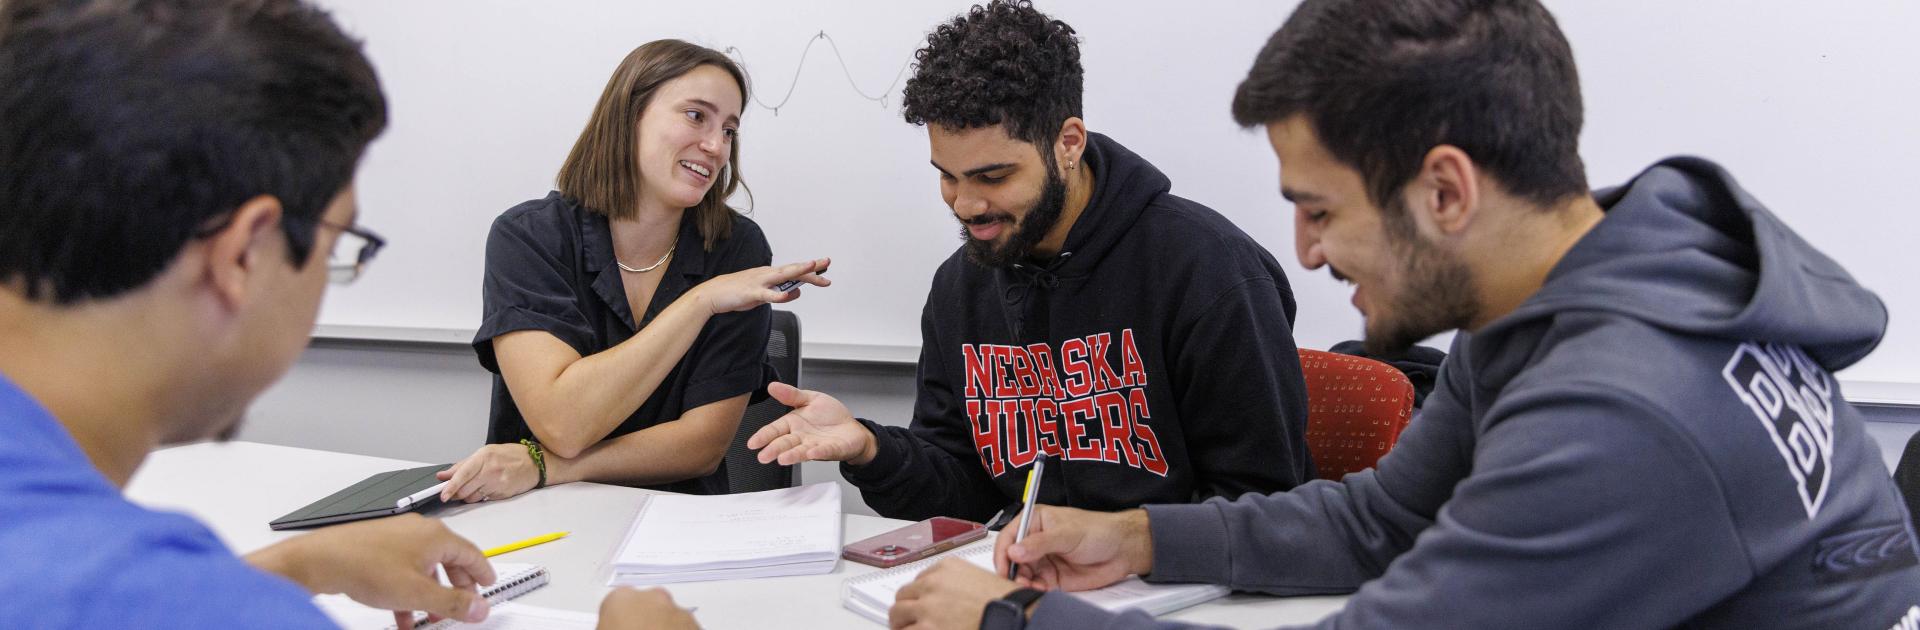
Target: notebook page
720,531
876,590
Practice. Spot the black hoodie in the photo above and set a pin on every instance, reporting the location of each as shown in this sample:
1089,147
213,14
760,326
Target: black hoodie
1152,360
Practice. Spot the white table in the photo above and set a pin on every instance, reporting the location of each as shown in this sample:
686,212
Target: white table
236,488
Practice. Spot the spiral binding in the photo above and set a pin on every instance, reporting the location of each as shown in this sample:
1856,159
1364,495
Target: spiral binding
516,585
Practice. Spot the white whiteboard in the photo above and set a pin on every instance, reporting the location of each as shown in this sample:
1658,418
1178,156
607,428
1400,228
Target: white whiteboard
1811,105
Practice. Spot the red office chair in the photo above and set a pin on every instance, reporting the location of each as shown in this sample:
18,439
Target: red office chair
1356,408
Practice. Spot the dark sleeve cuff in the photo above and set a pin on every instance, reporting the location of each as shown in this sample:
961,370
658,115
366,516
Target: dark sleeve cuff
889,460
745,380
514,319
1060,610
1189,544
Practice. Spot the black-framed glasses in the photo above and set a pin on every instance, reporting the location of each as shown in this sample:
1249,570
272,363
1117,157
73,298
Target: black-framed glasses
341,270
361,242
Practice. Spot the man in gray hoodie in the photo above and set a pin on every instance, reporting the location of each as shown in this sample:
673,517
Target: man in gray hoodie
1638,426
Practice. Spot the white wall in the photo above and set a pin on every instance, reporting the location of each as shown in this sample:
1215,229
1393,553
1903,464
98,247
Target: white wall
1808,103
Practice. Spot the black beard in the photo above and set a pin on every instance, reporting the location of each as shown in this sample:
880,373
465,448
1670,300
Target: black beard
1437,294
1039,220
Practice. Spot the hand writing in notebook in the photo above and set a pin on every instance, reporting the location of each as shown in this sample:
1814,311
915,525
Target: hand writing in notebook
1065,549
1077,550
952,594
651,608
385,563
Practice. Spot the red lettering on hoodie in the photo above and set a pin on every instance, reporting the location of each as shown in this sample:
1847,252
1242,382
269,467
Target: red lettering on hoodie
1045,411
1027,383
1103,375
1021,406
1115,421
1019,433
1043,365
1151,457
1077,415
1130,362
1073,353
986,433
1003,385
977,367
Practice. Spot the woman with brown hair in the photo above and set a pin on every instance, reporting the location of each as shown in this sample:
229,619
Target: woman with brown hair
625,314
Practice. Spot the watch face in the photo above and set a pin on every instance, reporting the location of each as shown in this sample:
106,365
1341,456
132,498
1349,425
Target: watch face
1002,615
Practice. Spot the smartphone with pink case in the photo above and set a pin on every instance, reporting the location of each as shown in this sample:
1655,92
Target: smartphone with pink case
913,542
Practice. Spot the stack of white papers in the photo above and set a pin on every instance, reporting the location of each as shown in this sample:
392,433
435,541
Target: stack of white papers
686,538
872,594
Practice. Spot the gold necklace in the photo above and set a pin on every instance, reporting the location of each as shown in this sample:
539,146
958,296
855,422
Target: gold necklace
656,264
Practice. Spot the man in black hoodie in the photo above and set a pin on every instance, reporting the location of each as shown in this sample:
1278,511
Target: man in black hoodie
1138,339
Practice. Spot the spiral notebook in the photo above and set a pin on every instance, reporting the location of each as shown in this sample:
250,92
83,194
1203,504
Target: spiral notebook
510,580
872,594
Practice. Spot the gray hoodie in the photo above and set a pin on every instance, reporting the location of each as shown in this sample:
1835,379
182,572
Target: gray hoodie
1654,439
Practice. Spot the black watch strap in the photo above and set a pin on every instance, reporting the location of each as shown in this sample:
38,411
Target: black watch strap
1008,612
1023,597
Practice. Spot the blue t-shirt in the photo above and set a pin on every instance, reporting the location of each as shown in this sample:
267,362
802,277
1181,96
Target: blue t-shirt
79,555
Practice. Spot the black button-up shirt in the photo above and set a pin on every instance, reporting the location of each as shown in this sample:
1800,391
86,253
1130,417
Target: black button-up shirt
550,267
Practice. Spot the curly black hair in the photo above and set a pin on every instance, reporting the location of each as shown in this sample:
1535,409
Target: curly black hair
1000,63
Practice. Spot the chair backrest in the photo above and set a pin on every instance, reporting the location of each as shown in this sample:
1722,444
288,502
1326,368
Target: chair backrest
1907,476
1356,408
745,473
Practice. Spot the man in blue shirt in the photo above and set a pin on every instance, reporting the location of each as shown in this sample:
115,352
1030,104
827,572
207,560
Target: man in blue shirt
175,193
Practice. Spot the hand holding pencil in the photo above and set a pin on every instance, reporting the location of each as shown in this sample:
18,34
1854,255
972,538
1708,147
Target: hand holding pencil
1077,550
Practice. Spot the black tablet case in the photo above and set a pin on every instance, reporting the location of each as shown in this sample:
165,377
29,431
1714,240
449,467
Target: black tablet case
371,498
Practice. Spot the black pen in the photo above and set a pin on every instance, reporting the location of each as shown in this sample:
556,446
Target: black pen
790,284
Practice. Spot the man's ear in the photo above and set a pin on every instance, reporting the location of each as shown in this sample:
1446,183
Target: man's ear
1071,144
1446,190
237,251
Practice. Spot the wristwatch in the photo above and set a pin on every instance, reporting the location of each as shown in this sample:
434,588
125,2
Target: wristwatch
1010,612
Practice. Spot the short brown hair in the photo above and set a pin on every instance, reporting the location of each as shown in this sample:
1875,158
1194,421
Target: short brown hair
601,172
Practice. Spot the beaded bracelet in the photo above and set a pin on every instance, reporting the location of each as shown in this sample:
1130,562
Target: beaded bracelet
539,461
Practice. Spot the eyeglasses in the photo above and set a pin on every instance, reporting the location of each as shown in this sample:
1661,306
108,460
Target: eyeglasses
362,242
341,270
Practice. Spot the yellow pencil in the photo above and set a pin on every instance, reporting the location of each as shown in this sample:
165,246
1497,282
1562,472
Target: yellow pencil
526,543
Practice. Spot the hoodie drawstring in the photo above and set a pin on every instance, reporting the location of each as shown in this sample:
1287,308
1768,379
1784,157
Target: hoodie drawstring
1019,294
